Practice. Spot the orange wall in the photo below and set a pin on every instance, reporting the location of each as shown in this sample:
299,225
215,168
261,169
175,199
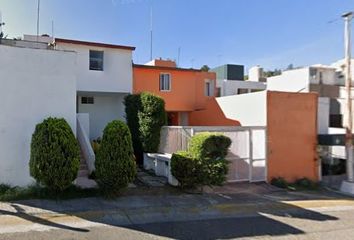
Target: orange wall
292,135
187,87
211,116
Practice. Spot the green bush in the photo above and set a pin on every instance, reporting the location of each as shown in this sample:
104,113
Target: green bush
115,163
132,104
305,183
186,170
209,145
279,182
152,117
204,163
55,154
145,115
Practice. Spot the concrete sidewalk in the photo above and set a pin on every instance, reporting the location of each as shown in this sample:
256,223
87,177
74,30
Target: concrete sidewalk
131,210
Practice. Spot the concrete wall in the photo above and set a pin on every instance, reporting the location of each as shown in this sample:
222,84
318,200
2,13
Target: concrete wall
231,87
117,69
106,108
35,84
328,75
296,80
212,115
248,109
292,135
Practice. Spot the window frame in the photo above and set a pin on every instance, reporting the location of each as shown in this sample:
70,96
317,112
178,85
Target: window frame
170,82
96,59
87,100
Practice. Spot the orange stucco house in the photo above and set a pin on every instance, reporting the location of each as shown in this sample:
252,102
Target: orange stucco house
187,92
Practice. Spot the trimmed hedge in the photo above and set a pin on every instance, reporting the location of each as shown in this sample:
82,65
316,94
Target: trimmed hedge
115,163
186,170
55,154
209,145
204,163
145,114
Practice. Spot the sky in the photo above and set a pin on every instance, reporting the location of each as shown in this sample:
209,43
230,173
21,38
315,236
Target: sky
269,33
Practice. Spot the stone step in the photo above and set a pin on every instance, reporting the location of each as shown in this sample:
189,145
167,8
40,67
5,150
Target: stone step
83,173
84,182
83,166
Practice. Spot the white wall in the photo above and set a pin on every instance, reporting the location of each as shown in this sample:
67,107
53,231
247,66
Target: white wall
296,80
249,109
117,73
255,74
106,107
35,84
230,87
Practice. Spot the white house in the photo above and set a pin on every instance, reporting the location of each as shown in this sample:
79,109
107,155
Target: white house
83,82
104,77
36,83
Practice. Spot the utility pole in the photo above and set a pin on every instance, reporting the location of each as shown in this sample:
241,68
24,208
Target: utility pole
38,5
151,34
348,186
179,54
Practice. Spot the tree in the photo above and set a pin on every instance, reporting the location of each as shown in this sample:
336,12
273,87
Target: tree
205,68
290,66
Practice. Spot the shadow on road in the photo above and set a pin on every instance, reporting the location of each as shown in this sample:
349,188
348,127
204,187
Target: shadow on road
252,220
22,214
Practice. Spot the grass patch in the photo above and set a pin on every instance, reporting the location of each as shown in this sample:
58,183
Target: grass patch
8,193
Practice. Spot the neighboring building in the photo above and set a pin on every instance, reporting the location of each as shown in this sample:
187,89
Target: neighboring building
104,77
327,81
184,90
36,82
230,81
290,119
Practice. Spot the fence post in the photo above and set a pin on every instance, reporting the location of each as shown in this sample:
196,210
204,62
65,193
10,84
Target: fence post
250,142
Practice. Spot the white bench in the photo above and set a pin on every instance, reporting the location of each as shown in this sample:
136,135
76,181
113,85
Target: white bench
161,164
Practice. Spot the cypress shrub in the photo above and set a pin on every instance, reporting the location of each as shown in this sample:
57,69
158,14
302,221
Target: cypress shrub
55,154
151,118
115,164
132,107
145,114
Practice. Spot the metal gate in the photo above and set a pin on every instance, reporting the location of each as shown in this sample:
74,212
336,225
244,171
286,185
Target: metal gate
247,154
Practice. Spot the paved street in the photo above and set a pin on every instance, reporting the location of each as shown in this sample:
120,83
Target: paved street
338,224
239,211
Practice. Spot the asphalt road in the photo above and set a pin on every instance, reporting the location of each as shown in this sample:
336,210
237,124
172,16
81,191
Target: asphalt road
329,223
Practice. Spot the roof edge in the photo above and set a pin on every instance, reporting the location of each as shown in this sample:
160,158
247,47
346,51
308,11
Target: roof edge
95,44
167,68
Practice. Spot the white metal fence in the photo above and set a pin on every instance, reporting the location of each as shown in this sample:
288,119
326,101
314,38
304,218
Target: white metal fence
247,155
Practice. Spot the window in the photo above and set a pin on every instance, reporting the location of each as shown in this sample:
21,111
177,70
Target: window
165,82
87,100
209,88
96,60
